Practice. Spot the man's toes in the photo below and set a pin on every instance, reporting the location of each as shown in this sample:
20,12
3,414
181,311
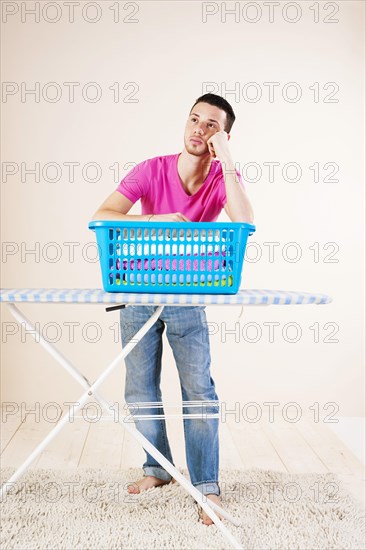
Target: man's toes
133,489
206,520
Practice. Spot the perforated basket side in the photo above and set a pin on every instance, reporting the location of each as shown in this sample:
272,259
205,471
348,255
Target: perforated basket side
171,257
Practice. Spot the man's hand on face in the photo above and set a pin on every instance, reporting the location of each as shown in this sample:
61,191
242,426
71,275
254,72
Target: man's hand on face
218,145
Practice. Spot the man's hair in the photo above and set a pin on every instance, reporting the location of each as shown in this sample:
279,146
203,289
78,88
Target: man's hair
221,103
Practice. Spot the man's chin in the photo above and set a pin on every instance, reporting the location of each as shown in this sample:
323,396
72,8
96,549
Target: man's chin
196,151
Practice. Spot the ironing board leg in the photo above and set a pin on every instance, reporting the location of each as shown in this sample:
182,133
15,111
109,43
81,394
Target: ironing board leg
77,376
206,504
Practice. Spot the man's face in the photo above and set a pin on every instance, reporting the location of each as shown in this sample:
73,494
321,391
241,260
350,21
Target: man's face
203,122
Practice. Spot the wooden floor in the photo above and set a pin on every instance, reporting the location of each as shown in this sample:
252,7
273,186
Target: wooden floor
304,447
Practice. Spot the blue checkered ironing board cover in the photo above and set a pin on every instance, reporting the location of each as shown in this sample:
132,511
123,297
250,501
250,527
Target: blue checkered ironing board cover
98,296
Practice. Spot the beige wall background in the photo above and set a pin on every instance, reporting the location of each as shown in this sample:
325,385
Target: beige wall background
149,61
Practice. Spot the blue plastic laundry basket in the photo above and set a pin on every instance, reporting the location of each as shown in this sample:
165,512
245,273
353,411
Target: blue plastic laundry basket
171,257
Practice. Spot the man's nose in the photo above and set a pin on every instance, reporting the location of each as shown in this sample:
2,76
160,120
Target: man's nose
199,130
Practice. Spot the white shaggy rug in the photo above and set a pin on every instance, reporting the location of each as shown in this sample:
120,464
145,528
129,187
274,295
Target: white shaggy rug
90,509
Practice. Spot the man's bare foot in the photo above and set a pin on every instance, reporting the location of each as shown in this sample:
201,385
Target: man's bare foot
145,483
206,520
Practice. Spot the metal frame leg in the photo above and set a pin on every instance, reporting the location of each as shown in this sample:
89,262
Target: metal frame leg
205,503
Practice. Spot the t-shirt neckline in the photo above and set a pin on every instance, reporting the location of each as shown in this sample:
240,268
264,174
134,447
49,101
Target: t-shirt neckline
180,183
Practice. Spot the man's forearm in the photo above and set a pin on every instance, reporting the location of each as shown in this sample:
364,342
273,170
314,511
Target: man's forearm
238,204
111,215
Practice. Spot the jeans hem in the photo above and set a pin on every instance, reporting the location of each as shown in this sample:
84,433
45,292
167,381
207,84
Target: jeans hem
158,472
208,488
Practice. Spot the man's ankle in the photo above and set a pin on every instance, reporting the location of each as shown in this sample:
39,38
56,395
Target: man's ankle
208,488
157,472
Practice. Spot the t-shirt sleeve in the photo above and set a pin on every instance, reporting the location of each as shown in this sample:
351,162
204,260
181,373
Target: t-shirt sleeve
136,182
241,182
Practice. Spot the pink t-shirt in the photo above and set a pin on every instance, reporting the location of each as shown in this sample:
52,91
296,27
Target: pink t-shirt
156,182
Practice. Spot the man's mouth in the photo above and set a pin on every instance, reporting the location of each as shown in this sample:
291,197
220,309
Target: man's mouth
196,140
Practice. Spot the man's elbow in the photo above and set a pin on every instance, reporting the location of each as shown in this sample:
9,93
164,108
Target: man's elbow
242,217
250,219
249,216
247,219
102,214
95,216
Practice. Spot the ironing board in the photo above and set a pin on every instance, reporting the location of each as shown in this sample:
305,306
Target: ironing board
249,297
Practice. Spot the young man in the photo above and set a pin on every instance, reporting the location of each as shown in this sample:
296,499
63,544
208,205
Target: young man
187,186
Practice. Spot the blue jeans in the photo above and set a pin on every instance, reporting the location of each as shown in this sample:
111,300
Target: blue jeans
188,337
